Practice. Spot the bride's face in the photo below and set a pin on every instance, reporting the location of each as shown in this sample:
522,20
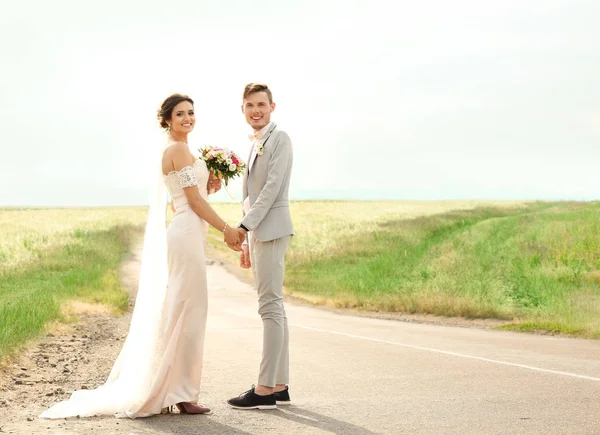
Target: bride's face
183,118
257,110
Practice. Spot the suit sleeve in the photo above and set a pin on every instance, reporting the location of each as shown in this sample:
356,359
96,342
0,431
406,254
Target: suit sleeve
279,163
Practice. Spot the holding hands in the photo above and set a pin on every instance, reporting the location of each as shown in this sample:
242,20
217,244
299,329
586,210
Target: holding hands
234,237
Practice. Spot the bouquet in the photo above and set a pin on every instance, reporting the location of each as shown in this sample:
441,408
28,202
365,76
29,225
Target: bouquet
222,162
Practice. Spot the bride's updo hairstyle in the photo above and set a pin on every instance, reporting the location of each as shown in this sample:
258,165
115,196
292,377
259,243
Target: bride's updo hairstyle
166,108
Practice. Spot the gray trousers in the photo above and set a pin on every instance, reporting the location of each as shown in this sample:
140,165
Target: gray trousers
268,268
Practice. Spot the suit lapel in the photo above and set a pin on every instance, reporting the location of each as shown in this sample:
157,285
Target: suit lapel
264,141
245,184
249,157
246,173
266,136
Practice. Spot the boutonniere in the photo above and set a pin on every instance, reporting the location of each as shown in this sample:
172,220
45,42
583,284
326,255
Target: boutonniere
260,149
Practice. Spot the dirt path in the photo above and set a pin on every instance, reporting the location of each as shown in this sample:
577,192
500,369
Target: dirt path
71,357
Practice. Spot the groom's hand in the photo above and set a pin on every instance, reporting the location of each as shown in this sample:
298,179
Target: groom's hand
245,257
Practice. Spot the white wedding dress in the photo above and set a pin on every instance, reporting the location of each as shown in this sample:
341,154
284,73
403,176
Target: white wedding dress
161,360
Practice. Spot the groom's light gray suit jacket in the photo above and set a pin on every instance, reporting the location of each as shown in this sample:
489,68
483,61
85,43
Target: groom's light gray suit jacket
266,183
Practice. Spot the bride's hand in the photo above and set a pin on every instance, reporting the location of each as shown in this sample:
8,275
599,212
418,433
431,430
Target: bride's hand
214,184
232,238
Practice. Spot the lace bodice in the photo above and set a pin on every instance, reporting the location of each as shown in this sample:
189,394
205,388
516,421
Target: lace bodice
187,177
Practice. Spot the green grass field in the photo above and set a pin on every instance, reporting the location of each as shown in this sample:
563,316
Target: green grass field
535,265
50,256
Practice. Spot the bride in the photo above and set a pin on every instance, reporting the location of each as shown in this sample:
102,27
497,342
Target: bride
160,364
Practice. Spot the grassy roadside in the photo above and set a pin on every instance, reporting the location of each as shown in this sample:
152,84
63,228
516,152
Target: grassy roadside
537,266
50,256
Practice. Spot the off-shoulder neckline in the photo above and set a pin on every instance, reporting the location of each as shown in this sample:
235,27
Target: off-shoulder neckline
190,166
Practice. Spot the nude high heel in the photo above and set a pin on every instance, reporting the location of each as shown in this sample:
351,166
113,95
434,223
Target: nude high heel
191,408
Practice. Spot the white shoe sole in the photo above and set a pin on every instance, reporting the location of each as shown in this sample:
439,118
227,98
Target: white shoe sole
253,407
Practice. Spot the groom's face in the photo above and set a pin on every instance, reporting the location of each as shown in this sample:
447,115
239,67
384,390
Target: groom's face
257,110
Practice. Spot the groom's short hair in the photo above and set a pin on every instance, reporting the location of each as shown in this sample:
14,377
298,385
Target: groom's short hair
252,88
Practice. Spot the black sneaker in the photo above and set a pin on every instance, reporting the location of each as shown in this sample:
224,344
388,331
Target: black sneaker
251,400
283,397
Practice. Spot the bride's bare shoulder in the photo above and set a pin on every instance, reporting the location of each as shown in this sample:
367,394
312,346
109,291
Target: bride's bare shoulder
176,149
176,146
178,155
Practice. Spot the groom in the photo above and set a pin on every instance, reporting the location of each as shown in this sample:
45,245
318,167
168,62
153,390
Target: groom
268,223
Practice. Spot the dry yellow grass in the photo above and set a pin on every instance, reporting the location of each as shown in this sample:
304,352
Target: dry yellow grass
49,257
28,233
535,263
324,228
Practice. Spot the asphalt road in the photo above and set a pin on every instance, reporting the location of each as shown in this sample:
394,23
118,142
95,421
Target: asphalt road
356,375
350,375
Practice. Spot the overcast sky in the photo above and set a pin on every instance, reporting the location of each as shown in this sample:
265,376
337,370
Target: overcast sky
382,99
